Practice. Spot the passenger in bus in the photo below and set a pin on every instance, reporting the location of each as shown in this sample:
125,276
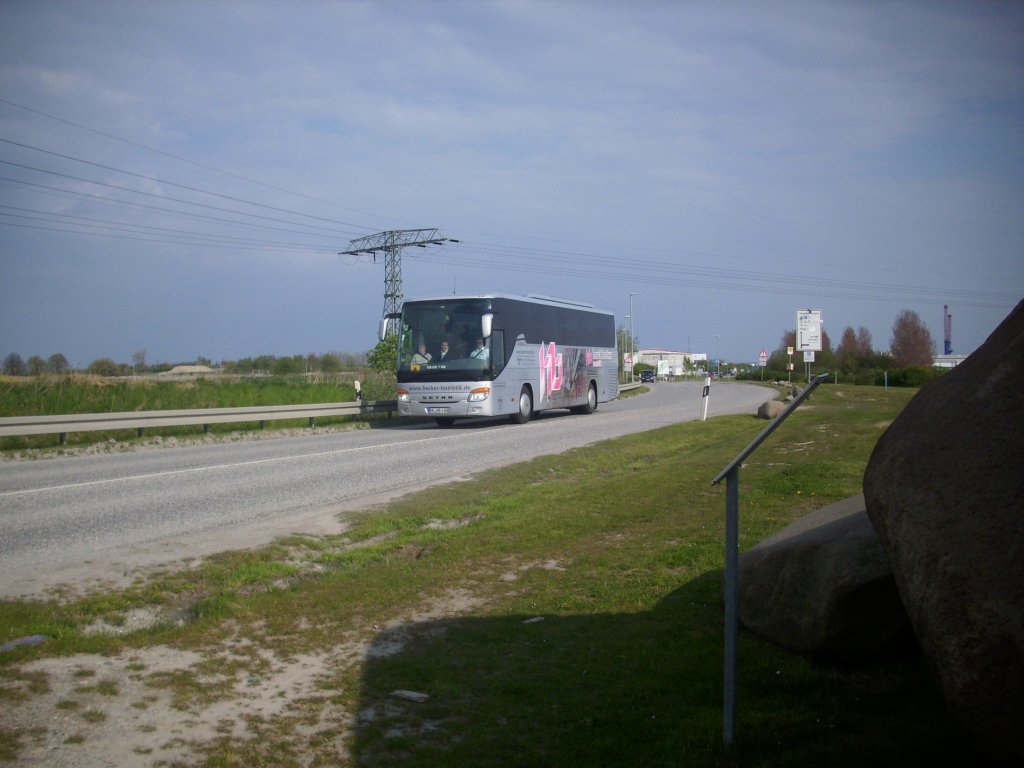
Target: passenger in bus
480,352
422,357
443,354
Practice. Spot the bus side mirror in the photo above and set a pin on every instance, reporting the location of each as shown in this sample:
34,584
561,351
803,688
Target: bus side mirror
382,331
486,321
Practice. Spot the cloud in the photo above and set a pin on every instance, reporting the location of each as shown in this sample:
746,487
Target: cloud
858,141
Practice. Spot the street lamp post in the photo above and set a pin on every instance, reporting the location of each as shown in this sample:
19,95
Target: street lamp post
632,349
627,353
718,358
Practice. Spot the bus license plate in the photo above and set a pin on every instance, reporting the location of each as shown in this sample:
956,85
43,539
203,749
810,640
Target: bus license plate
433,411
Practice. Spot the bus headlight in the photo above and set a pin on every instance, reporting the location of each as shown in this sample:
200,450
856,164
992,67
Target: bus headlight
479,395
403,396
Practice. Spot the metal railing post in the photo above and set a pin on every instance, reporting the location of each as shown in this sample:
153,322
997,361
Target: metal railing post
731,475
732,608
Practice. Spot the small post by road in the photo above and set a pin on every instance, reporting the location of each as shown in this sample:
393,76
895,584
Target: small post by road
704,399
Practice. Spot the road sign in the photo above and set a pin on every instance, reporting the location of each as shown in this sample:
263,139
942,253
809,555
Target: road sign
763,357
808,330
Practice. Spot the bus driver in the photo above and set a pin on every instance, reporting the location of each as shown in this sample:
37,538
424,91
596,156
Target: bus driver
422,357
480,352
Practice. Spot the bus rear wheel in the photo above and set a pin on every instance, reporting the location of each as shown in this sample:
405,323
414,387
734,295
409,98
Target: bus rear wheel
525,406
591,405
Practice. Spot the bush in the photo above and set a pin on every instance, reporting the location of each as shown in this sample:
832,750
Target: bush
914,376
104,366
865,377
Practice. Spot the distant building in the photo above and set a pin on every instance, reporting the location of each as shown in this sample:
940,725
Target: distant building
188,370
670,363
948,361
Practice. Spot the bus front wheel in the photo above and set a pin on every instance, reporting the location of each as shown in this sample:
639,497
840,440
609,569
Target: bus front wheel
525,407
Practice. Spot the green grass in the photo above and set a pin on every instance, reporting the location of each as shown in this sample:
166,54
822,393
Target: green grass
89,394
61,395
617,548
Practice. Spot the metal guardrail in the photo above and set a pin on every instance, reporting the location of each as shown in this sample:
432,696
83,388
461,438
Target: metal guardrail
140,420
12,426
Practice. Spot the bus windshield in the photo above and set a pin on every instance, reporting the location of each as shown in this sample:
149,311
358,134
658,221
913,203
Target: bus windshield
447,341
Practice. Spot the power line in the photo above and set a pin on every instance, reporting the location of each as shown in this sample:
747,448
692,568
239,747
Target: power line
181,159
172,199
180,239
91,222
162,209
581,268
570,263
144,177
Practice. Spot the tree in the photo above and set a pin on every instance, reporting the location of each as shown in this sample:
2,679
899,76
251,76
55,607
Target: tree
14,365
139,361
854,352
384,356
36,365
284,366
911,343
263,363
865,350
104,366
846,352
330,363
57,363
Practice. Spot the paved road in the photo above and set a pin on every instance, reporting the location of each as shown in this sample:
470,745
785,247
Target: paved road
84,520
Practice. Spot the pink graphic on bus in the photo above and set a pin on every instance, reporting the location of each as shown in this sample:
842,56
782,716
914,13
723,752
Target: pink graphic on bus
550,370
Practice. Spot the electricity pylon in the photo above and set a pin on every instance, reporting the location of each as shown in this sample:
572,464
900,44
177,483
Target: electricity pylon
391,243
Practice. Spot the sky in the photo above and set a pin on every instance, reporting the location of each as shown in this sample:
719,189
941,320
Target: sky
180,178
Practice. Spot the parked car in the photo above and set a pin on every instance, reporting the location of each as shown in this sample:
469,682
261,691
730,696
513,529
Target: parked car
646,377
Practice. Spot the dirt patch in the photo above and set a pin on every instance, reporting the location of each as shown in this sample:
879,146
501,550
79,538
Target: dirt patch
102,711
165,706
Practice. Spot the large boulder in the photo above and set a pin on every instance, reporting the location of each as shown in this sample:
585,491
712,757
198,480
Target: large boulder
822,586
945,491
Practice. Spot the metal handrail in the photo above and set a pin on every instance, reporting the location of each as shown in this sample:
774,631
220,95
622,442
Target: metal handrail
731,474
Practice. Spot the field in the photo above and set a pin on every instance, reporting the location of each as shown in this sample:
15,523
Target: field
61,395
558,612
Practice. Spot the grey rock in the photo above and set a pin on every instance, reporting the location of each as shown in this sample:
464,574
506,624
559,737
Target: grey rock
770,409
945,491
822,586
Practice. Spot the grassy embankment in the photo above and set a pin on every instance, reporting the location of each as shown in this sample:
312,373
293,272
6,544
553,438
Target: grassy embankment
616,548
61,395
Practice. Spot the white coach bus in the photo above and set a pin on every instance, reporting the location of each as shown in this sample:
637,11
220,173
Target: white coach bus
495,355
